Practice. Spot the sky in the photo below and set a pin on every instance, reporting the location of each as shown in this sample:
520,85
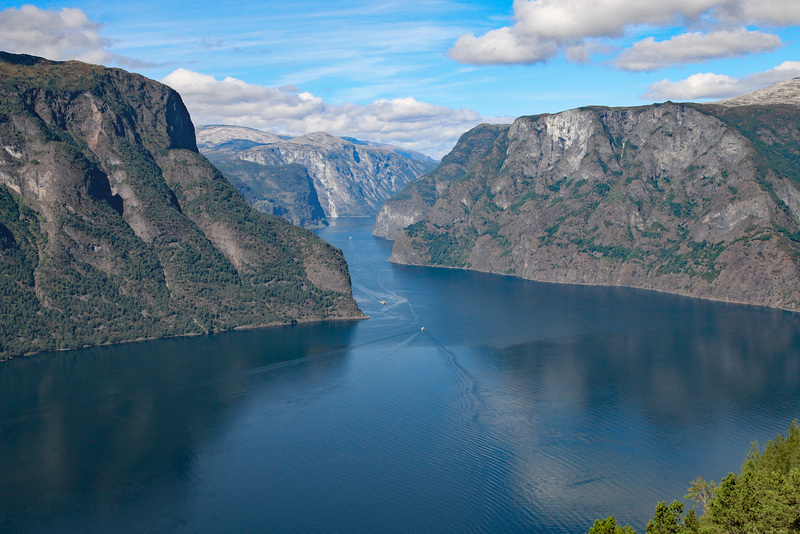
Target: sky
417,74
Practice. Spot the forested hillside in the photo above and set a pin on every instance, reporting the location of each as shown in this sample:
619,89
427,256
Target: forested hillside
114,228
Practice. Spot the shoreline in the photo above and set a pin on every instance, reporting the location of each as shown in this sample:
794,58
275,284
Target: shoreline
638,288
190,334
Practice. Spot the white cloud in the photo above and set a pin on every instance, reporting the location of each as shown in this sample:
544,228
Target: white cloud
772,12
420,126
502,46
578,54
696,87
583,52
57,35
708,85
545,28
649,54
565,20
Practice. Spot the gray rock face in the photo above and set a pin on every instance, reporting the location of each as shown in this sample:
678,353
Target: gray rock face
284,190
700,200
415,201
114,228
349,178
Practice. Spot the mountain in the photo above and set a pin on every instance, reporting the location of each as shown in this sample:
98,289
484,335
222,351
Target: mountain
306,179
694,199
286,190
114,228
414,202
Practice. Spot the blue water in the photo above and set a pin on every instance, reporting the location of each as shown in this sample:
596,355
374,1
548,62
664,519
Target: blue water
521,407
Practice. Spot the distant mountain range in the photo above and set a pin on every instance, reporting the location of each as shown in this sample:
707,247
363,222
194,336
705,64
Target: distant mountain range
307,179
695,199
114,228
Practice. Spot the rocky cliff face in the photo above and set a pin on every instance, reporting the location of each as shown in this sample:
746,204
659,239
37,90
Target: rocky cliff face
284,190
414,202
113,227
700,200
341,178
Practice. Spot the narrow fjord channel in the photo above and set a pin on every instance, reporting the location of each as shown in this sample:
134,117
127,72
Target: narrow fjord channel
466,403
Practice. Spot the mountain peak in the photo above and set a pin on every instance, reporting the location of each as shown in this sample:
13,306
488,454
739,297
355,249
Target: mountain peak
786,93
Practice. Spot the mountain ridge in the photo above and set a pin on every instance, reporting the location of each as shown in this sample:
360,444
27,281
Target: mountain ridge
784,93
695,199
343,177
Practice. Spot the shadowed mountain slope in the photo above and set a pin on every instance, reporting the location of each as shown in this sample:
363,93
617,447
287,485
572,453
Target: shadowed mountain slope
114,228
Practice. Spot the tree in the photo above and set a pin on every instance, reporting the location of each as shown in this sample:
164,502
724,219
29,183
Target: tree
691,524
701,491
667,519
609,526
765,497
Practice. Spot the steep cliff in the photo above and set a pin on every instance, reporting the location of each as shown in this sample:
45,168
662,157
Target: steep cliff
700,200
414,202
284,190
300,177
114,228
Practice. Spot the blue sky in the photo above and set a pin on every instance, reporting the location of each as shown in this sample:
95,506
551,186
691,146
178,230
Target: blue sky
418,74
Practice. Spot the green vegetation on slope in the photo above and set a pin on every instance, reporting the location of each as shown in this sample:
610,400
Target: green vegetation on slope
698,200
113,228
764,497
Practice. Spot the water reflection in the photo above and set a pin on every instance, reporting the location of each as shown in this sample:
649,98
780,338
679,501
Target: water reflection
589,418
102,427
521,407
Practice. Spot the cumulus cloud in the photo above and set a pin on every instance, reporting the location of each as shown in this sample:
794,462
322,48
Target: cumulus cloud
57,35
546,28
503,46
772,12
649,54
578,54
565,20
420,126
708,85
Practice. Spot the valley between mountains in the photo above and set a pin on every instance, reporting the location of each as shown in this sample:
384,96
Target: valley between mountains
114,226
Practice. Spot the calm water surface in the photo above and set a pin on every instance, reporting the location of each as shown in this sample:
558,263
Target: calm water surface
521,407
